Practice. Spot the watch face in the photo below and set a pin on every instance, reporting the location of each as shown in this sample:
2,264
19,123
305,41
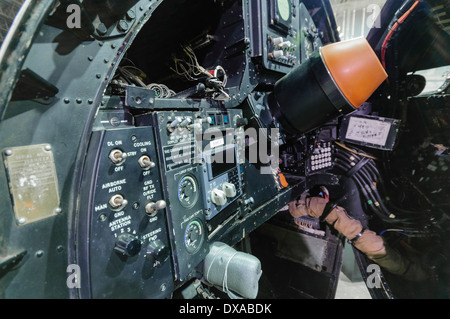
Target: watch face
284,9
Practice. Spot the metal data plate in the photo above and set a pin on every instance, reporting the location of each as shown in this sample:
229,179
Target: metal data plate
33,183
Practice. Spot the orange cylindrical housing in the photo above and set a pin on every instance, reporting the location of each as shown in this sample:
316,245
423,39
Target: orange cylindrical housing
355,69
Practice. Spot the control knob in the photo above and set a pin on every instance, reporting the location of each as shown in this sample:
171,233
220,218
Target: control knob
229,189
157,252
128,245
218,197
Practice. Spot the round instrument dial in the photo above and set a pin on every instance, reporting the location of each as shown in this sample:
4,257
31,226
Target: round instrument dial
193,236
188,191
284,9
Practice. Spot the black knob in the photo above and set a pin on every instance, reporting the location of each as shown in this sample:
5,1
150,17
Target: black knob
128,245
157,252
241,122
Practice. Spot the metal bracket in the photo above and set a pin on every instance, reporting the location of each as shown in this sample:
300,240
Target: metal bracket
32,86
7,263
145,99
139,98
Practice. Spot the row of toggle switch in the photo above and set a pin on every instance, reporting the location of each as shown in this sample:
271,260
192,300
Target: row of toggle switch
188,123
179,123
283,50
118,157
118,202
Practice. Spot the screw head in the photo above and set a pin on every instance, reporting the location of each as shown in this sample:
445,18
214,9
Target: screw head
122,26
115,121
101,29
8,152
130,15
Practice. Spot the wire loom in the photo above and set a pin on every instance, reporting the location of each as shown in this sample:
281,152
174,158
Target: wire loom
361,168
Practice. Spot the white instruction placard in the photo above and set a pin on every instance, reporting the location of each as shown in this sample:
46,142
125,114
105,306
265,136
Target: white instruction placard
368,130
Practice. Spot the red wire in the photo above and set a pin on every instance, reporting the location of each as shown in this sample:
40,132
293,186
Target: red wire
391,32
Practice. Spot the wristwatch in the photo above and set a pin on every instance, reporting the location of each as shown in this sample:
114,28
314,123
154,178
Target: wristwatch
352,241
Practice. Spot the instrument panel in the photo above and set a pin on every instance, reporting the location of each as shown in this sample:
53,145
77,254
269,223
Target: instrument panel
204,138
172,156
127,218
287,32
153,148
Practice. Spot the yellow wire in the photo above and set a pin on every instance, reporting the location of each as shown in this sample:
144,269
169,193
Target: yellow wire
353,151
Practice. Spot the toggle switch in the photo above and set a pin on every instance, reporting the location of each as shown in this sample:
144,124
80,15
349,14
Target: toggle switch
152,208
285,45
117,202
117,156
276,54
145,162
187,121
277,41
174,124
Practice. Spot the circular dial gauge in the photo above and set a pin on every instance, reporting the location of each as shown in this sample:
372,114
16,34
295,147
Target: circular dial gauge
187,191
193,236
284,9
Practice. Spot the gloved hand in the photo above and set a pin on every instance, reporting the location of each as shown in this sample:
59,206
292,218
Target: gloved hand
364,240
